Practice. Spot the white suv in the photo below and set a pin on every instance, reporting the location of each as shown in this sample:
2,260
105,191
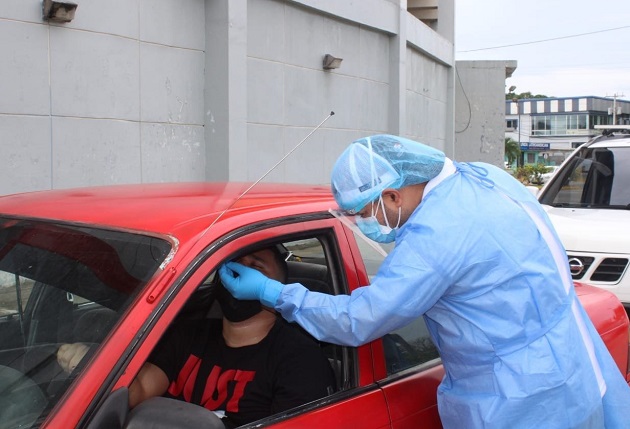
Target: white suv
588,201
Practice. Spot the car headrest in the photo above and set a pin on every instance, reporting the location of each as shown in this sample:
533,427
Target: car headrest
94,325
313,276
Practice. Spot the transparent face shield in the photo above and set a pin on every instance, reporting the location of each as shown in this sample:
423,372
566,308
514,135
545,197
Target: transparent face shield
349,220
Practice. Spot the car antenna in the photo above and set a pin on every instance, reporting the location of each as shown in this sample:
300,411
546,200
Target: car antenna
269,171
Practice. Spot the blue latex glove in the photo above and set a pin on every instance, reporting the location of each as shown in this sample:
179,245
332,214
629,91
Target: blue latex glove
247,283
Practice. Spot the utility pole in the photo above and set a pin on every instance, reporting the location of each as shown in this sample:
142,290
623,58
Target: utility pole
614,108
521,159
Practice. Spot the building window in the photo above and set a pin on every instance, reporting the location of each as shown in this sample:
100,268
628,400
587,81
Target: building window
559,125
598,120
511,124
576,122
541,126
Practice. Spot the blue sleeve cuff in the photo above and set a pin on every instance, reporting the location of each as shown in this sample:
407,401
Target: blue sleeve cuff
271,293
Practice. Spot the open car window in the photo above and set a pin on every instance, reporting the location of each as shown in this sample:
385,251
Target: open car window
410,345
309,262
60,284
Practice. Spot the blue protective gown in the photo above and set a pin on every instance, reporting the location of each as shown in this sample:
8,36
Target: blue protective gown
518,349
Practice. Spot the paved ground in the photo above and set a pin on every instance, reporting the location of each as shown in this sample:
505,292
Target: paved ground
8,297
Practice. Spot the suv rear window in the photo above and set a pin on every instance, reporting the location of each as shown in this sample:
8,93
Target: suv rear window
595,177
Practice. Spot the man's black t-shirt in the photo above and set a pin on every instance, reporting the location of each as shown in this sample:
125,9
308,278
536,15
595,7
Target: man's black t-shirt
284,370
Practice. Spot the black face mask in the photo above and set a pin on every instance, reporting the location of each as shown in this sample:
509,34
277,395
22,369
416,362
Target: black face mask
233,309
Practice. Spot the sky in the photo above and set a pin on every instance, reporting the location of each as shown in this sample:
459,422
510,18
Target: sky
590,55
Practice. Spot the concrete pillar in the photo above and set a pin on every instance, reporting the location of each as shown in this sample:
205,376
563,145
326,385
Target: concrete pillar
398,74
226,89
446,28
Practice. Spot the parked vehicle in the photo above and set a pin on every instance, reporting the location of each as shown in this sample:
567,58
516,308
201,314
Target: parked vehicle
551,170
114,267
588,201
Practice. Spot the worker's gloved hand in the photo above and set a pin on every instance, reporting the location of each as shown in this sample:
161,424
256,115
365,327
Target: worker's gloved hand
247,283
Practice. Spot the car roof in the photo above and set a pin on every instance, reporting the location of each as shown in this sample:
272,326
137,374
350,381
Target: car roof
618,141
161,208
617,137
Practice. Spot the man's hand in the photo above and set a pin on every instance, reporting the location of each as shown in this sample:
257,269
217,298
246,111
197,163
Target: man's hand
69,355
247,283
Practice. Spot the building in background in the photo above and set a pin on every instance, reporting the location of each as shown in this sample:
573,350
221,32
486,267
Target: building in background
140,91
479,110
549,129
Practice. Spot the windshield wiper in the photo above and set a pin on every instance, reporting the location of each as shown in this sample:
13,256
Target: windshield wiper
606,206
567,205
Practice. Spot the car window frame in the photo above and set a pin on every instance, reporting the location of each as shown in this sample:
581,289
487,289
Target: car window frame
341,263
585,156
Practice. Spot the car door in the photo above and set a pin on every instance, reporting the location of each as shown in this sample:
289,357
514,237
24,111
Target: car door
359,401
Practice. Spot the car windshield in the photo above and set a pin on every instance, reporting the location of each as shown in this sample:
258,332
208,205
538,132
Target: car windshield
60,284
595,178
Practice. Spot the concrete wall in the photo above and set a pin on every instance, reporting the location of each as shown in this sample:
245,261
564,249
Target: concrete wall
480,110
289,93
169,90
115,96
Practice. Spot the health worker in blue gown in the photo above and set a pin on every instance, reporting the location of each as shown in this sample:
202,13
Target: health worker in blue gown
476,255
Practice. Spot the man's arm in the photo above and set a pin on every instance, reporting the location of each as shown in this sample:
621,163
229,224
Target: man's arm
69,355
151,381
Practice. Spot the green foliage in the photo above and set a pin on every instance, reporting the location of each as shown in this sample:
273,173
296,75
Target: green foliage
512,150
524,95
531,174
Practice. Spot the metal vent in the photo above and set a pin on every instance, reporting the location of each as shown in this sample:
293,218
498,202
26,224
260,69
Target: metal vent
579,265
610,270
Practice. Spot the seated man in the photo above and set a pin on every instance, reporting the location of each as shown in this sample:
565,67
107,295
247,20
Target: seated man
250,365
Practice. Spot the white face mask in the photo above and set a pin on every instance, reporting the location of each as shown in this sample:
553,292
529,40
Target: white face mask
374,230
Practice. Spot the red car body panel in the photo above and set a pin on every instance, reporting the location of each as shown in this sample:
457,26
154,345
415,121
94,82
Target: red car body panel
161,208
403,405
610,320
361,411
198,216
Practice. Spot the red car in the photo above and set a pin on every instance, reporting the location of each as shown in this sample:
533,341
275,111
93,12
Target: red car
113,267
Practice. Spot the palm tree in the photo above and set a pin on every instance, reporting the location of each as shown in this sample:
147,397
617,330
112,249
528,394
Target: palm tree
512,150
